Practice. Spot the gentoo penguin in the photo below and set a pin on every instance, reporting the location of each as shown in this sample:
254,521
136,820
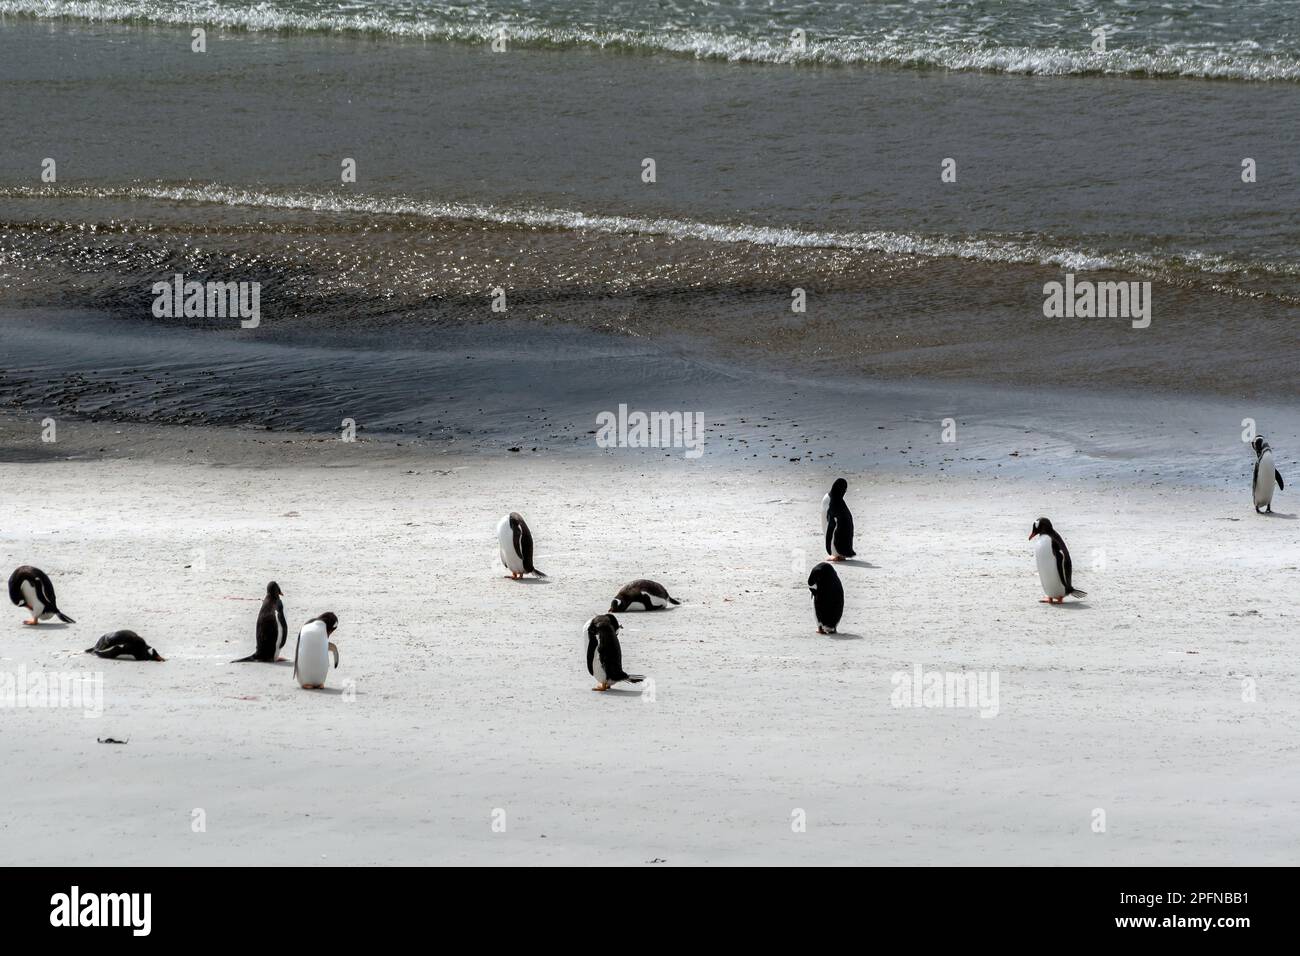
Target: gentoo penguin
651,595
828,597
124,644
311,656
516,546
604,656
1265,475
837,522
1054,568
272,631
31,588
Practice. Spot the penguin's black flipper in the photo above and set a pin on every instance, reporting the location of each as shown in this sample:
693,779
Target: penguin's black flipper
1278,476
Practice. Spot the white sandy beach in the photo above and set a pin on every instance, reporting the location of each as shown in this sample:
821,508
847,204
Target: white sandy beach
461,692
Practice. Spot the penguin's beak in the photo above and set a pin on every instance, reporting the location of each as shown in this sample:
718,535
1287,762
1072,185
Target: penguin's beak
1033,534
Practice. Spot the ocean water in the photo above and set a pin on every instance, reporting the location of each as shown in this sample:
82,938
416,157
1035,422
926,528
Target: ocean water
777,168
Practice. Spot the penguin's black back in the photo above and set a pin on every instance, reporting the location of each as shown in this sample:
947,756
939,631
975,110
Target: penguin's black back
839,529
121,644
828,598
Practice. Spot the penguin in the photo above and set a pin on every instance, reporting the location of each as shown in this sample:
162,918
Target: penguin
651,595
828,597
837,522
1054,567
124,644
311,655
31,588
1265,474
516,546
604,656
272,631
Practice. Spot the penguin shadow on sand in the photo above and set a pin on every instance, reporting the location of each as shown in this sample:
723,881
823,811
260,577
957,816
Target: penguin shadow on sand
1277,514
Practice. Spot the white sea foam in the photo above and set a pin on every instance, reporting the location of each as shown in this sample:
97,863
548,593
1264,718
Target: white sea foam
913,45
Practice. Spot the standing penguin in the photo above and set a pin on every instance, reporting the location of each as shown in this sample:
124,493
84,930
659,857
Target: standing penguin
31,588
828,597
516,543
124,644
1265,475
604,655
272,631
837,522
1054,568
651,595
311,656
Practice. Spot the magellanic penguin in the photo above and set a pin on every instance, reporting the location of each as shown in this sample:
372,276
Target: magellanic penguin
604,655
1265,474
272,631
828,597
124,644
516,543
31,588
1054,567
650,595
837,522
311,655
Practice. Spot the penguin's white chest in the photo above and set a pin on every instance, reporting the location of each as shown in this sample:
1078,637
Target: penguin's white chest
1264,480
826,511
313,655
33,602
506,539
597,668
1053,586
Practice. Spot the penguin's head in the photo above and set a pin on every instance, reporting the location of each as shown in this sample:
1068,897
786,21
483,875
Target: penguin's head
838,489
273,590
1041,526
618,604
330,620
154,655
820,572
1259,445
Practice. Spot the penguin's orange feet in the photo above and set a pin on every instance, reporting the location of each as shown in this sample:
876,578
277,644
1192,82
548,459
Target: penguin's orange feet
32,621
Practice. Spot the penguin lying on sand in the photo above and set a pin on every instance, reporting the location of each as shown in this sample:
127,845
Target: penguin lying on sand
124,644
651,595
